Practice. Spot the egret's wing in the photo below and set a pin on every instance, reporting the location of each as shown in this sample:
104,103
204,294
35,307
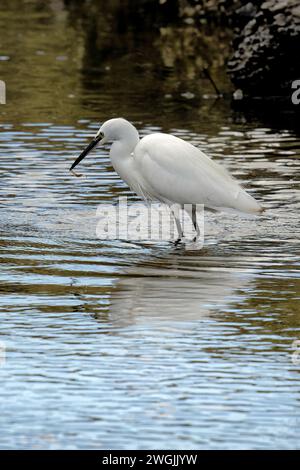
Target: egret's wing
176,171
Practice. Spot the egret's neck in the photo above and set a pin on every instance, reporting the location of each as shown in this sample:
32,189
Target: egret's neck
121,154
127,139
125,144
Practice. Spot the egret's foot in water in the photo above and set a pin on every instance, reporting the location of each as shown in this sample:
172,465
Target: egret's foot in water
176,243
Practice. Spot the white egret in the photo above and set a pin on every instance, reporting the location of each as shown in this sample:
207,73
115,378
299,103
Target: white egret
162,167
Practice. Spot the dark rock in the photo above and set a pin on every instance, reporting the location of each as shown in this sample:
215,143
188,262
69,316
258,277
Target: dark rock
266,57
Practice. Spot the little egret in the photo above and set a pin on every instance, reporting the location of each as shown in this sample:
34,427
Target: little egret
162,167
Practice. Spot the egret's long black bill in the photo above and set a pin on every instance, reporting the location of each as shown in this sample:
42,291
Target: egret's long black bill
87,150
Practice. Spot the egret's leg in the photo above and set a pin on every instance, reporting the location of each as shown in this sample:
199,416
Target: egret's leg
179,230
178,226
195,224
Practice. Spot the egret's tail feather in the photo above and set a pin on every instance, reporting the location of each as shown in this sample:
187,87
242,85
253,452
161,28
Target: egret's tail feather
246,203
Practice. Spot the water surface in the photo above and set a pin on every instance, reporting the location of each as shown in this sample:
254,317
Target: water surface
115,344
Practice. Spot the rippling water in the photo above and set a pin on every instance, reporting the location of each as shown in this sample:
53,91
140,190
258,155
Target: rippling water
113,344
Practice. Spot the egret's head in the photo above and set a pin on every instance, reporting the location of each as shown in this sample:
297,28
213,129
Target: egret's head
111,130
117,129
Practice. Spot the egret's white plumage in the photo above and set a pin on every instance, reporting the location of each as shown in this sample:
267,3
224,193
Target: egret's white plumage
165,168
176,171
